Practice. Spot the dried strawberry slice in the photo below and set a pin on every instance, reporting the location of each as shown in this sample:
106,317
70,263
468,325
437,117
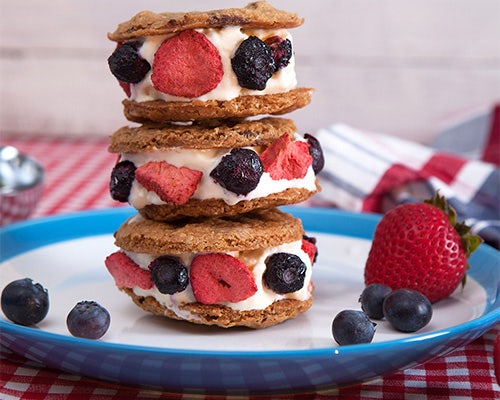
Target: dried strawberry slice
172,184
126,88
286,159
217,277
309,247
126,273
187,65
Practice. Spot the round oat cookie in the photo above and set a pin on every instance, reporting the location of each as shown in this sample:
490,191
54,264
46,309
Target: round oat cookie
218,207
216,134
226,317
255,15
197,110
251,231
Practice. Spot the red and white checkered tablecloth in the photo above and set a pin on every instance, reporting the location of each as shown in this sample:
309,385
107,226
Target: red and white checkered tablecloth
77,177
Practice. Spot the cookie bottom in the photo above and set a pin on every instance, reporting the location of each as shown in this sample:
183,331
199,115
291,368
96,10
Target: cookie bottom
217,207
226,317
196,110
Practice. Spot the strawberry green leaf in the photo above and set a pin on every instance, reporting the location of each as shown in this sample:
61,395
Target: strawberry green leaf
470,241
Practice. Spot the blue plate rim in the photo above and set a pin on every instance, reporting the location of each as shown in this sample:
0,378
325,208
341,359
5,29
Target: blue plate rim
118,214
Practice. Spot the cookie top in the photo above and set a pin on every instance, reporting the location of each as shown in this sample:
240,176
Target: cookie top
157,137
255,15
251,231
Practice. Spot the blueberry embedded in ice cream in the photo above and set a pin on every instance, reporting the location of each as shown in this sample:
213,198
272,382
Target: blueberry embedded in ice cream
239,171
316,153
282,51
285,273
122,177
126,64
169,274
253,63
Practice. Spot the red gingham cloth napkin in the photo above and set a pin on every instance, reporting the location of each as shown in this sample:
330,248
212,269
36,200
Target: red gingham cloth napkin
77,178
466,373
371,172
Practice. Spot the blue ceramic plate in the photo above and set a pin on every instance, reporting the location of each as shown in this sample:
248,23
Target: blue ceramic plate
65,253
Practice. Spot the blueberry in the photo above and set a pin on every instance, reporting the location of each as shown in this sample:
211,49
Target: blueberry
127,65
122,177
239,171
253,63
407,310
316,153
284,273
372,299
88,319
25,302
169,274
282,51
352,327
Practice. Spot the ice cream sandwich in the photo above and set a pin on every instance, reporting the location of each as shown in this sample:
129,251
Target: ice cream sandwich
250,270
171,171
220,64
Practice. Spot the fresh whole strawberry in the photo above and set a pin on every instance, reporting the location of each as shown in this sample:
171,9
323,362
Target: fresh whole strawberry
420,246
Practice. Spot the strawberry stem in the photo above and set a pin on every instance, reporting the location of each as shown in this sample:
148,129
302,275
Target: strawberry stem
470,242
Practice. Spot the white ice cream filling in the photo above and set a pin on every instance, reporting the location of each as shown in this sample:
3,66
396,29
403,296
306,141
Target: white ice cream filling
262,298
205,160
226,40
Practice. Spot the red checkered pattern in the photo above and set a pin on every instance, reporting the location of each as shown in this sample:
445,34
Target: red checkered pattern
77,176
77,172
17,207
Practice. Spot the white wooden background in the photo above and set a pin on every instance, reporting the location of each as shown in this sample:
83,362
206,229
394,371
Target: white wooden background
403,67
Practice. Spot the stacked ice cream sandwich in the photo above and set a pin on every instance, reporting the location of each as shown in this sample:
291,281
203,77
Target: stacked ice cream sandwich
209,164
